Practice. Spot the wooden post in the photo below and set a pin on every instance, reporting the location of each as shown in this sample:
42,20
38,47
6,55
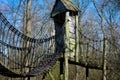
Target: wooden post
76,44
28,78
67,45
104,58
76,40
61,69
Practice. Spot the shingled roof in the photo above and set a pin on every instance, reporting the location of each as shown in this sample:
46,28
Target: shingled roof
62,6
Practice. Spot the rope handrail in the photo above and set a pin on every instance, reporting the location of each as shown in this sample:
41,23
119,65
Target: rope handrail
83,43
14,47
115,45
20,34
89,38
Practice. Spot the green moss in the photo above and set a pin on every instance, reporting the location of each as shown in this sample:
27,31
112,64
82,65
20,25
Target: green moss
55,71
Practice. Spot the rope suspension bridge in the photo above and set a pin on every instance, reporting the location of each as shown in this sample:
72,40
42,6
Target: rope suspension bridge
19,52
23,56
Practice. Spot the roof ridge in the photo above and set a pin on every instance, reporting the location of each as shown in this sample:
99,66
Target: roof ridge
63,6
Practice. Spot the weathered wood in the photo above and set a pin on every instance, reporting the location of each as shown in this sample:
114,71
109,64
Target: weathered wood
67,45
76,40
71,35
76,45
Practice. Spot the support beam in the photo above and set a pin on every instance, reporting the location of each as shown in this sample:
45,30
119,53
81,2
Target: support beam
83,64
76,45
67,45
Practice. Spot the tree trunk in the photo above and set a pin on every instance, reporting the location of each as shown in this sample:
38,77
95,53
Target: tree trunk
28,19
27,29
87,60
104,59
104,37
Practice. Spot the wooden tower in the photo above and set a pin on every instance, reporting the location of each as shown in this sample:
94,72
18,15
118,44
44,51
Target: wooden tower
65,16
59,14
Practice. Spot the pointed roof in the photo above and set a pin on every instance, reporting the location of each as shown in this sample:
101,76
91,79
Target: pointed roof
62,6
